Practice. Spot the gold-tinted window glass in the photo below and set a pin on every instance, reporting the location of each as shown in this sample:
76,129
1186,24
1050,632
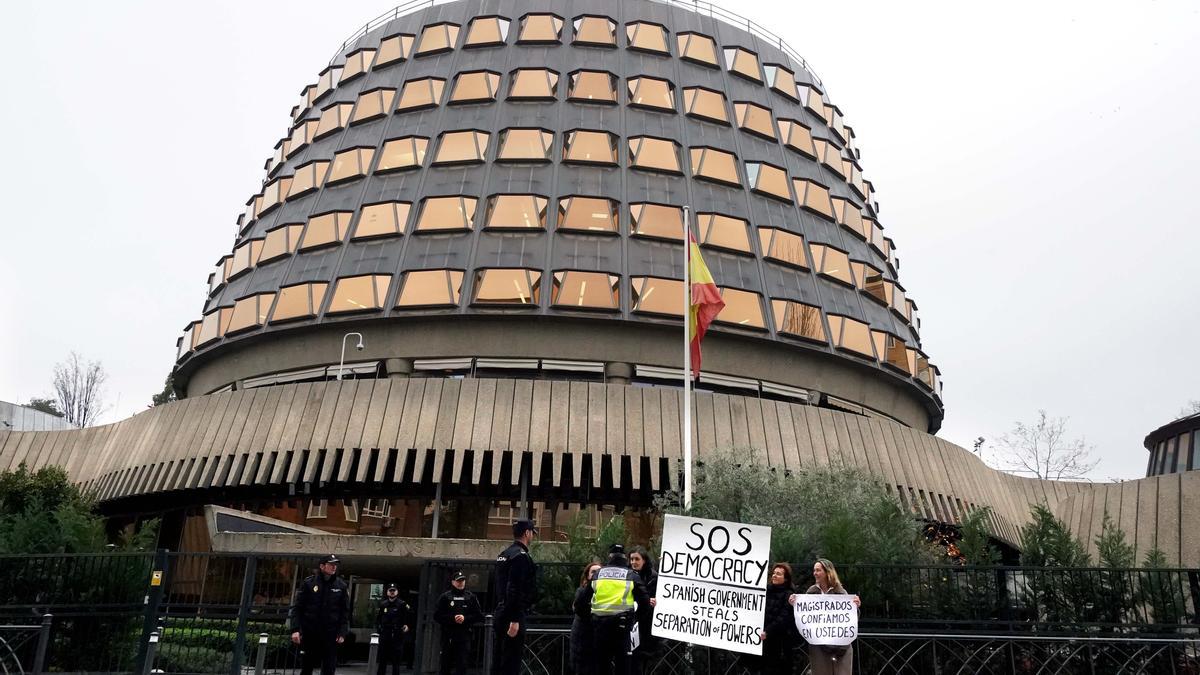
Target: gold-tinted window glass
832,263
308,177
813,196
698,48
591,290
654,154
507,286
533,84
797,137
516,212
851,335
705,104
245,257
333,118
647,37
652,93
798,319
281,241
422,93
724,232
430,288
656,220
742,308
274,193
446,213
299,301
250,312
782,246
812,100
351,164
461,147
301,136
590,147
595,30
655,295
485,31
329,79
213,325
891,350
540,28
742,62
587,214
382,220
394,48
475,87
781,80
373,104
358,63
768,179
525,145
402,153
755,119
325,229
848,216
715,165
863,274
437,38
830,156
359,294
593,86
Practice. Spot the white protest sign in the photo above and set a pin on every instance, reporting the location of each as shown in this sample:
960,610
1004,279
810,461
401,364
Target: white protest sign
826,619
712,582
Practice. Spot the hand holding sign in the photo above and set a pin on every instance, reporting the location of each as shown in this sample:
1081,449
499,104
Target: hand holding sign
826,619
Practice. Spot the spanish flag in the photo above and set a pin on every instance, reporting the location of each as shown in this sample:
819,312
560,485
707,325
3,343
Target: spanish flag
704,302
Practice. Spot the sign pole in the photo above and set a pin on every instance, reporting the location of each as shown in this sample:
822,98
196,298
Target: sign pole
687,360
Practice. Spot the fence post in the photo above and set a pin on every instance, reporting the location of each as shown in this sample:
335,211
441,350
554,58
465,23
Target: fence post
151,652
424,614
373,654
39,661
152,601
247,599
489,642
260,659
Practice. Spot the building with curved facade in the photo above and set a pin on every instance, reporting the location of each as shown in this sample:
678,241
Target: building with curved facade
1174,447
492,195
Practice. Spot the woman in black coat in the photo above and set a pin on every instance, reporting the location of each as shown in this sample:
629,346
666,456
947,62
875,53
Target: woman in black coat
643,657
583,656
779,632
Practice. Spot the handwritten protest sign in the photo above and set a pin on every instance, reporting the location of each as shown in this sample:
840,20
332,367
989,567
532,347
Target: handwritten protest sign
712,583
826,619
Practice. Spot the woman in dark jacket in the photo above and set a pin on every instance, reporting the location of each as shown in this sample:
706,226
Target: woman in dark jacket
779,632
643,657
583,656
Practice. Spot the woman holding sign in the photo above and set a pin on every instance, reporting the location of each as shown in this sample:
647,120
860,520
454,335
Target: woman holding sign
583,656
641,562
829,659
779,628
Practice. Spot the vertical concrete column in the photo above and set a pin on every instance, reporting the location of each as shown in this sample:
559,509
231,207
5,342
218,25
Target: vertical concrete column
617,372
399,367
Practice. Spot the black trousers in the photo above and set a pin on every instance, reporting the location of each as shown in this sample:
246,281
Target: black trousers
778,657
390,649
507,653
319,651
611,642
455,653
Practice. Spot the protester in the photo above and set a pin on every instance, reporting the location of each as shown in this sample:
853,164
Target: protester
515,587
828,659
320,617
641,562
392,620
583,654
611,598
779,632
457,611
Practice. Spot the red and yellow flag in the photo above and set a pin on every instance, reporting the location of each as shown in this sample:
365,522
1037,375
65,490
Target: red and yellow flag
705,303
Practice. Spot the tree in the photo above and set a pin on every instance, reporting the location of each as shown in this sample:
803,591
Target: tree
167,394
1116,592
1043,450
46,405
79,388
1192,408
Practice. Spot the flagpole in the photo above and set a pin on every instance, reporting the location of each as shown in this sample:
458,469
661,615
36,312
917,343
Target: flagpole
687,361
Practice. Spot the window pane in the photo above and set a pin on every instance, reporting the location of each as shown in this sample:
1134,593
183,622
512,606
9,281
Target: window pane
245,257
587,214
299,301
832,263
529,145
437,38
325,229
507,286
768,179
698,48
651,92
394,48
647,37
723,232
797,137
423,93
755,119
798,319
358,63
521,212
590,147
595,30
382,220
656,220
430,288
593,86
486,30
475,87
891,350
715,165
280,242
533,83
742,62
742,308
540,28
333,118
308,177
461,147
357,294
781,80
594,290
782,246
250,312
655,154
373,104
350,164
851,335
446,213
213,325
705,104
402,153
814,197
654,295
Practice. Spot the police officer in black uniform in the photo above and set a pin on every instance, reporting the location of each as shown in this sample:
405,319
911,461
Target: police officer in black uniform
392,621
610,599
457,611
320,617
515,590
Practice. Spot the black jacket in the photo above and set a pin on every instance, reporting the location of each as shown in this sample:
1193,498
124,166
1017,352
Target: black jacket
582,653
454,602
779,621
392,616
516,583
321,606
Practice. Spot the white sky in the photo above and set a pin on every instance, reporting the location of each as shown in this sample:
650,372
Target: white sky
1035,163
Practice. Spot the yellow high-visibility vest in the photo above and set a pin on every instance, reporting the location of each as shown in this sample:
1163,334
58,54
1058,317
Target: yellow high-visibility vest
612,591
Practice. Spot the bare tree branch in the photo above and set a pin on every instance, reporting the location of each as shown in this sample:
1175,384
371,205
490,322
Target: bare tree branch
1043,450
79,388
1192,408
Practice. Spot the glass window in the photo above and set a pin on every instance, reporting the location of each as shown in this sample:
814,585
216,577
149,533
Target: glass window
656,220
654,154
250,312
394,48
326,229
525,145
358,63
587,214
798,320
813,196
213,325
829,155
507,286
273,194
781,80
812,100
832,263
782,246
600,31
351,164
891,350
871,280
754,119
475,87
533,84
330,77
402,153
927,373
742,61
333,118
486,31
590,147
655,295
540,28
851,335
446,213
647,37
725,232
461,147
430,288
382,220
742,308
698,48
373,105
281,241
593,86
652,93
705,104
850,217
422,93
301,136
715,165
309,177
359,294
590,290
299,301
245,257
438,38
769,180
516,212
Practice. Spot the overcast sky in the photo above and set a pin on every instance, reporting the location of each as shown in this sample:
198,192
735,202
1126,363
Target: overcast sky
1035,164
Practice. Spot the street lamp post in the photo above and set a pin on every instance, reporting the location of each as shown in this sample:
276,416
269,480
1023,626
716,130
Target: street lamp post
342,362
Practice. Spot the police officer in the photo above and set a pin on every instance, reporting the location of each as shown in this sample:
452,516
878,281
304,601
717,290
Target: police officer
610,598
320,617
515,588
457,611
392,620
